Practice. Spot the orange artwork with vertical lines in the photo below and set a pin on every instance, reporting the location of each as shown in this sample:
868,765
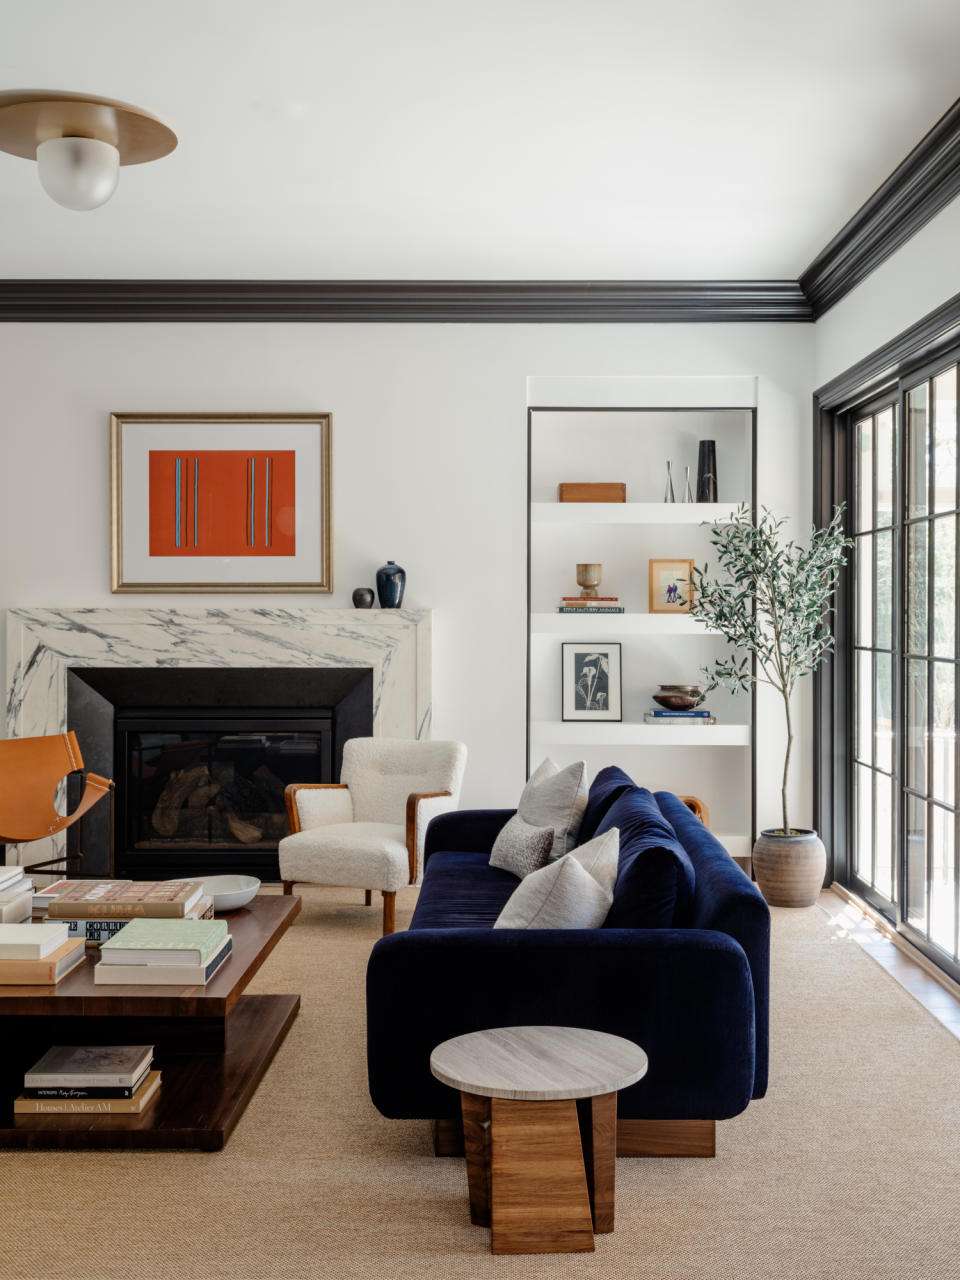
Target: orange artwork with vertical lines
222,502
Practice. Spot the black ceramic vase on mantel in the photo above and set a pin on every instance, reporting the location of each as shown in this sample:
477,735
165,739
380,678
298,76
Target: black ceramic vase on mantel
707,471
363,598
391,580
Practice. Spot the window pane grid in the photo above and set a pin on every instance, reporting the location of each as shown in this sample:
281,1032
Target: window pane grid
931,626
875,650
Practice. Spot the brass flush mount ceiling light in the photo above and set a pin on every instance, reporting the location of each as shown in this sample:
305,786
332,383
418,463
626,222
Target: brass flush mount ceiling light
79,142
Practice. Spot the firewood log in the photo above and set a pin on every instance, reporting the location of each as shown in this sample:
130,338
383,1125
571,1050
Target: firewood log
166,813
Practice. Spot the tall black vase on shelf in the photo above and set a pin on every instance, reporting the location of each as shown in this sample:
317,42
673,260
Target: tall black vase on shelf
391,580
707,471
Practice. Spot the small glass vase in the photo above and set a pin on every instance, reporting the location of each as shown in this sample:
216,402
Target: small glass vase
687,491
669,494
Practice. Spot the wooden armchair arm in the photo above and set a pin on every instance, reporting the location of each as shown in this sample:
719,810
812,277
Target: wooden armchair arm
290,798
413,812
697,808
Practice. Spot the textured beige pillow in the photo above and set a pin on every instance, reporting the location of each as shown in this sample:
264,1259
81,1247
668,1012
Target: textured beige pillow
521,848
561,895
601,857
556,798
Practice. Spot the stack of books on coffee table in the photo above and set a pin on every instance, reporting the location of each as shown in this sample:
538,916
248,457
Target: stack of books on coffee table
37,954
16,895
88,1080
183,953
96,910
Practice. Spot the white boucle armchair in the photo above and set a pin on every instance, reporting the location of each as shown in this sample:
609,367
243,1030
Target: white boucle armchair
368,829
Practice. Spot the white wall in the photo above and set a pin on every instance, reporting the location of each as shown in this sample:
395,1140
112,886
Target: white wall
429,470
917,279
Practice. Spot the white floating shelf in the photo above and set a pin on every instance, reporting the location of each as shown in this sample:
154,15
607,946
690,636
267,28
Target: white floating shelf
610,733
578,513
617,624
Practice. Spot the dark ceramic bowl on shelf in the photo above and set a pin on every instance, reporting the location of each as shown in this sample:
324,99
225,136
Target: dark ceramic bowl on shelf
678,697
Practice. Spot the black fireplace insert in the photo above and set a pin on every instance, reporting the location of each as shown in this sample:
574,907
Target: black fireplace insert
201,758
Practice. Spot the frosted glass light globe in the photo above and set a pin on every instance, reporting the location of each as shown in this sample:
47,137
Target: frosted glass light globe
79,173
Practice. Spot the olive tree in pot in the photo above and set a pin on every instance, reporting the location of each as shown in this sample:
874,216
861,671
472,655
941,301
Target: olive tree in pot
771,599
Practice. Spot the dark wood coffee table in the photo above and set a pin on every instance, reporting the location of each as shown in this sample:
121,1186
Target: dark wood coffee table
213,1043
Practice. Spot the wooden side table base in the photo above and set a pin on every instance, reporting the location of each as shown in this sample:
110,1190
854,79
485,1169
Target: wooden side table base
539,1109
531,1181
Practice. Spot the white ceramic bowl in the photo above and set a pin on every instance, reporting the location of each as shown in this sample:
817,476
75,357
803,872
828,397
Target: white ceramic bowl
231,892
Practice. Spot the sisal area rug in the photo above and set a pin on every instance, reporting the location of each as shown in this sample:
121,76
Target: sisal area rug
849,1168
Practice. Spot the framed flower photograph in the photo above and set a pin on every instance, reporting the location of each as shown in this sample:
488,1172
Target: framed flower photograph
671,588
591,681
220,502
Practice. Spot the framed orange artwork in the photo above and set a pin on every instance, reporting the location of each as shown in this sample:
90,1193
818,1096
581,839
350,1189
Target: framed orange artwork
217,502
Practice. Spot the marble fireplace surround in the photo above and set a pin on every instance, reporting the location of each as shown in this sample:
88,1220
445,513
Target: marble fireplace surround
44,644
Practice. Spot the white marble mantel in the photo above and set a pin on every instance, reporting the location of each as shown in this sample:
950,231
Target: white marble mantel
43,644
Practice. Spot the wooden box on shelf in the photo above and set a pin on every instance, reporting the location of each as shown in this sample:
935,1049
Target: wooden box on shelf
592,492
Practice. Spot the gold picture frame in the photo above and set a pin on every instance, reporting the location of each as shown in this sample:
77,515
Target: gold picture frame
667,576
254,487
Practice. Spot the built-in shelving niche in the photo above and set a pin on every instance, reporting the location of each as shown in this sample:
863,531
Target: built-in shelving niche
714,762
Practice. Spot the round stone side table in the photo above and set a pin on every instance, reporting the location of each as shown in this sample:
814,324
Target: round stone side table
540,1130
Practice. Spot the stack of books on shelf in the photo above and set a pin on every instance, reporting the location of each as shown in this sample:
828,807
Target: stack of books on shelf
37,954
698,716
590,604
16,895
183,953
83,1080
96,910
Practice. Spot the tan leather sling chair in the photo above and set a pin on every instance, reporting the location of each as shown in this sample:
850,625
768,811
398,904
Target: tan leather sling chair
30,772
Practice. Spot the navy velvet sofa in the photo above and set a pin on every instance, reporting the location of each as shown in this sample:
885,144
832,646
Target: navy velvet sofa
681,966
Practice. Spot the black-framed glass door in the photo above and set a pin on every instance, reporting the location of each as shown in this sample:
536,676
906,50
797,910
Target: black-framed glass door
875,564
902,659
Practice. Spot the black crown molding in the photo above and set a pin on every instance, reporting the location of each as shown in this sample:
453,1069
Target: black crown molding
926,181
923,184
441,301
922,343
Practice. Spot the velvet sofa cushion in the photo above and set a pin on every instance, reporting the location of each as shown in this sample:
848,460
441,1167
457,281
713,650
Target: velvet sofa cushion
606,788
729,902
461,891
655,880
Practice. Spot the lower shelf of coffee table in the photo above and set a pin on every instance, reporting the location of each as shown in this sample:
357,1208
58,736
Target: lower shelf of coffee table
200,1100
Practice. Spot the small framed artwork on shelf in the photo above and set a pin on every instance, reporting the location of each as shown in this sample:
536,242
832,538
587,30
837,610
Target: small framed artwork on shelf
671,586
591,681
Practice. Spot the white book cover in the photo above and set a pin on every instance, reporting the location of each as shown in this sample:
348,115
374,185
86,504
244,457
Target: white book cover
16,909
15,888
30,941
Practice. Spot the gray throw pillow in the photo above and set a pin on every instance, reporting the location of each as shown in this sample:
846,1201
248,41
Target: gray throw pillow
601,857
521,848
556,798
561,895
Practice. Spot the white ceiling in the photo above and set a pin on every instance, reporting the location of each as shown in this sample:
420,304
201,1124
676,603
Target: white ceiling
532,139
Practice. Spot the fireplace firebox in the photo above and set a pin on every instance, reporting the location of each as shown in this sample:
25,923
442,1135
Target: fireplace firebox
201,758
211,786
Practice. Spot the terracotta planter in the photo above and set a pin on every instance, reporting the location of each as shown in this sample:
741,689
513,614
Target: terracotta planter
789,869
